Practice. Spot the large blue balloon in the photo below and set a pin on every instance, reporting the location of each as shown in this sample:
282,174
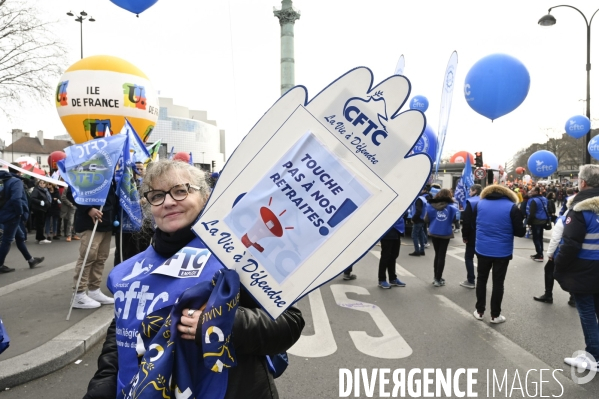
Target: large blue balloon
419,102
542,163
496,85
135,6
594,147
427,143
577,126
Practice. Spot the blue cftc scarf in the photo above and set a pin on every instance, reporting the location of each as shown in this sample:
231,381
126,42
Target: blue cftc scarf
171,367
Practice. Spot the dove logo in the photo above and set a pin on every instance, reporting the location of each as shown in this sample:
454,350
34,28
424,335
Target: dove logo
137,270
354,115
441,216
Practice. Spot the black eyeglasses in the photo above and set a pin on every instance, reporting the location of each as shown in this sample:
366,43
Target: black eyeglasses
178,193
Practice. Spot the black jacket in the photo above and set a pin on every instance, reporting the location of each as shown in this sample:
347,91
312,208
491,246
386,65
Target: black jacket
82,220
580,276
250,378
37,196
468,232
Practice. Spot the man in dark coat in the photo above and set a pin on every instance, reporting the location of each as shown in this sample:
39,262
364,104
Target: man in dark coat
14,211
577,262
469,235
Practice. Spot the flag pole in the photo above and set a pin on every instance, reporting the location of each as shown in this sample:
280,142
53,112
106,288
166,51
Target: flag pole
121,238
91,240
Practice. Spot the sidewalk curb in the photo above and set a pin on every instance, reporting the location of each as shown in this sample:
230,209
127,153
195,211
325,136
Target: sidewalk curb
58,352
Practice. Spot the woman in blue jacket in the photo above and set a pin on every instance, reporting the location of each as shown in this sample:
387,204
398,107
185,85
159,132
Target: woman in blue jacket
440,213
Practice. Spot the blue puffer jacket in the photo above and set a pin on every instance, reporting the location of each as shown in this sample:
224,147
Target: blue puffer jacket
497,219
16,204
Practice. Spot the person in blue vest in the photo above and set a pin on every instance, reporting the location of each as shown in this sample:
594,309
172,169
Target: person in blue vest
390,245
174,195
537,216
440,214
469,235
417,210
497,220
577,263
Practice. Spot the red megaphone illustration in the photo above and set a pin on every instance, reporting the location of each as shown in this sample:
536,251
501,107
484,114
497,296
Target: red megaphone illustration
267,225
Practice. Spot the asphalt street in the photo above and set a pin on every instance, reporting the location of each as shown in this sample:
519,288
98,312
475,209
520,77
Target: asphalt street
357,325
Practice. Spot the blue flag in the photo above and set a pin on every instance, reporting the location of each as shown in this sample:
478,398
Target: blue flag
126,185
466,181
180,358
172,154
191,159
89,168
137,149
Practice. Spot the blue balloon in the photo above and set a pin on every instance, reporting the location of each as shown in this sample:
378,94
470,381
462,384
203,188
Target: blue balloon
496,85
577,126
135,6
594,147
542,163
427,143
419,102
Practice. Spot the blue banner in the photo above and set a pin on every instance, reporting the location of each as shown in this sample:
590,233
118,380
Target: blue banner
191,159
89,168
461,193
446,97
137,149
127,187
466,181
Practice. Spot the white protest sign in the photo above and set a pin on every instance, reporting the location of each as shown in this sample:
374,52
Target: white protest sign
314,185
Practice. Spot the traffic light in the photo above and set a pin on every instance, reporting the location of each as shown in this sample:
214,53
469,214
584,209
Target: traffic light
213,165
478,159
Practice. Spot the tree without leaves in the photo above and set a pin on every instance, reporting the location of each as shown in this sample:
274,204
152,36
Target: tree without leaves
31,55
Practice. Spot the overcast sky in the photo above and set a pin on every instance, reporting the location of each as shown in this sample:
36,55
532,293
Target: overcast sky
224,57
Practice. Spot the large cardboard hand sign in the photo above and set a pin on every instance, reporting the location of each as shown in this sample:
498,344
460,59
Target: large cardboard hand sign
314,185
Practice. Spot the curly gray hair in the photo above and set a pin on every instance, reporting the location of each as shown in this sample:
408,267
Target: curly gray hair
157,170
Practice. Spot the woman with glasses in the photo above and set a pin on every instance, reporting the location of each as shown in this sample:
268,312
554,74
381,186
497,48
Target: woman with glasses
174,195
41,200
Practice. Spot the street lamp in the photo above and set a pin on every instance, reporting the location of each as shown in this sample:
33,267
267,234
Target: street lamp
549,20
80,19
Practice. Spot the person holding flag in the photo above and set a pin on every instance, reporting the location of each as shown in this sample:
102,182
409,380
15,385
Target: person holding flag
89,170
131,237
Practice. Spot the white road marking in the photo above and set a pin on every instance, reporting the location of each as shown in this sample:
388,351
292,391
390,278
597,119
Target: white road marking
322,343
19,285
523,359
390,345
400,271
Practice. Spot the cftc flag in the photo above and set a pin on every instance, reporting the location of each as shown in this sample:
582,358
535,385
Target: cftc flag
89,168
127,191
466,181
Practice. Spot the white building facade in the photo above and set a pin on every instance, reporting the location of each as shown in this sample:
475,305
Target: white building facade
190,131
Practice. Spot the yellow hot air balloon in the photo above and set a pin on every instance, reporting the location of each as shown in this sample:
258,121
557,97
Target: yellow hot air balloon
99,92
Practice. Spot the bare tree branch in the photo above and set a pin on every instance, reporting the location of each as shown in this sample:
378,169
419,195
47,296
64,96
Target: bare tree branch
31,56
